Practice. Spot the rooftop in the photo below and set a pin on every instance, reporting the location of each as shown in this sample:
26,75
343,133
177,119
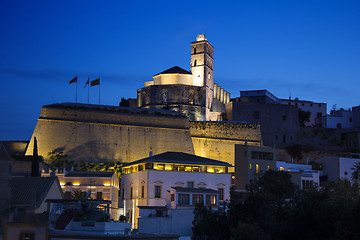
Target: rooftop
107,108
181,158
175,70
30,191
195,190
89,174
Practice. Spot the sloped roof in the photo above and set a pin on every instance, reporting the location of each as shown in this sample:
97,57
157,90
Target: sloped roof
195,190
175,69
181,158
30,191
89,174
4,155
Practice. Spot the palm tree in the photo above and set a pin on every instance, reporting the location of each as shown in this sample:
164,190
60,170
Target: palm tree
355,176
77,195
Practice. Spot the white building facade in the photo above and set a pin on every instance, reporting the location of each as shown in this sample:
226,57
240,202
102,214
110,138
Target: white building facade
175,181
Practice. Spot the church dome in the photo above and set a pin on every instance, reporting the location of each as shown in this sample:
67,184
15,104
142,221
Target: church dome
201,37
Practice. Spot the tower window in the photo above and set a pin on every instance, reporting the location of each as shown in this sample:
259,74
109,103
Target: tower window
191,98
194,50
194,62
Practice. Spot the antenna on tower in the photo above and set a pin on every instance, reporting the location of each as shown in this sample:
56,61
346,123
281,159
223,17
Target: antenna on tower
289,94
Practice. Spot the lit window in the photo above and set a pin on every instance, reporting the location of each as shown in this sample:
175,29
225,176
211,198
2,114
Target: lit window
196,169
257,168
210,199
160,166
268,167
250,166
157,191
282,169
27,236
198,199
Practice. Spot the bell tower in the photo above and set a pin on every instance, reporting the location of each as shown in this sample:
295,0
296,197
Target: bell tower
201,65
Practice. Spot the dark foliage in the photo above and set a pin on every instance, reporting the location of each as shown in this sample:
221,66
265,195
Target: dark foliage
35,161
304,117
295,151
275,209
124,102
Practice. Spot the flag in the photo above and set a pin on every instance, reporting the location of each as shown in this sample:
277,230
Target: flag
73,80
95,82
87,82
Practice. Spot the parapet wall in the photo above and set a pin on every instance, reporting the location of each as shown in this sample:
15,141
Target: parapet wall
92,133
216,140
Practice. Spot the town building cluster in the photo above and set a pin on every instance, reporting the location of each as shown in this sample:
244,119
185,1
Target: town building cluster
183,141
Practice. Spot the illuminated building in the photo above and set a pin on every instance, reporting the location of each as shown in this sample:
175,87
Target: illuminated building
193,93
173,180
102,185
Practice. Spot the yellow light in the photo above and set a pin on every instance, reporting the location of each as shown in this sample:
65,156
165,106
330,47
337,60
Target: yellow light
257,168
106,184
62,184
282,168
76,184
233,177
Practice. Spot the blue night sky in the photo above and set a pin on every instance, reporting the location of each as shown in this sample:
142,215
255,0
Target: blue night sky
309,49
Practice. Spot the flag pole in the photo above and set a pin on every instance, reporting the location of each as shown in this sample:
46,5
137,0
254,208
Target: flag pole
88,90
99,94
76,93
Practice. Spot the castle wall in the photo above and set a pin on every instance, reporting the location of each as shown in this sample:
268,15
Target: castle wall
189,100
106,134
167,79
216,140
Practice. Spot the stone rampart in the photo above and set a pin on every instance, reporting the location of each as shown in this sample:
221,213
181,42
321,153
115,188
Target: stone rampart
93,133
216,140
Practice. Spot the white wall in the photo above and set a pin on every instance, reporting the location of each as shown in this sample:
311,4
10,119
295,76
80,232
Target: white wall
345,165
166,179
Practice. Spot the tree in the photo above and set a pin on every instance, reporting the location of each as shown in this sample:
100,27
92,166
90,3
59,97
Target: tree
356,174
295,151
77,195
210,224
304,117
59,160
124,102
35,161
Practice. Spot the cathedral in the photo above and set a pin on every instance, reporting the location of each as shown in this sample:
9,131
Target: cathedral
193,92
98,133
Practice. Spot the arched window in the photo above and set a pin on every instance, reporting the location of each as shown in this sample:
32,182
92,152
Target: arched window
194,50
191,98
164,98
194,62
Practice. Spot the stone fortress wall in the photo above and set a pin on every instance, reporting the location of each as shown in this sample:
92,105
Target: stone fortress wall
93,133
216,140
